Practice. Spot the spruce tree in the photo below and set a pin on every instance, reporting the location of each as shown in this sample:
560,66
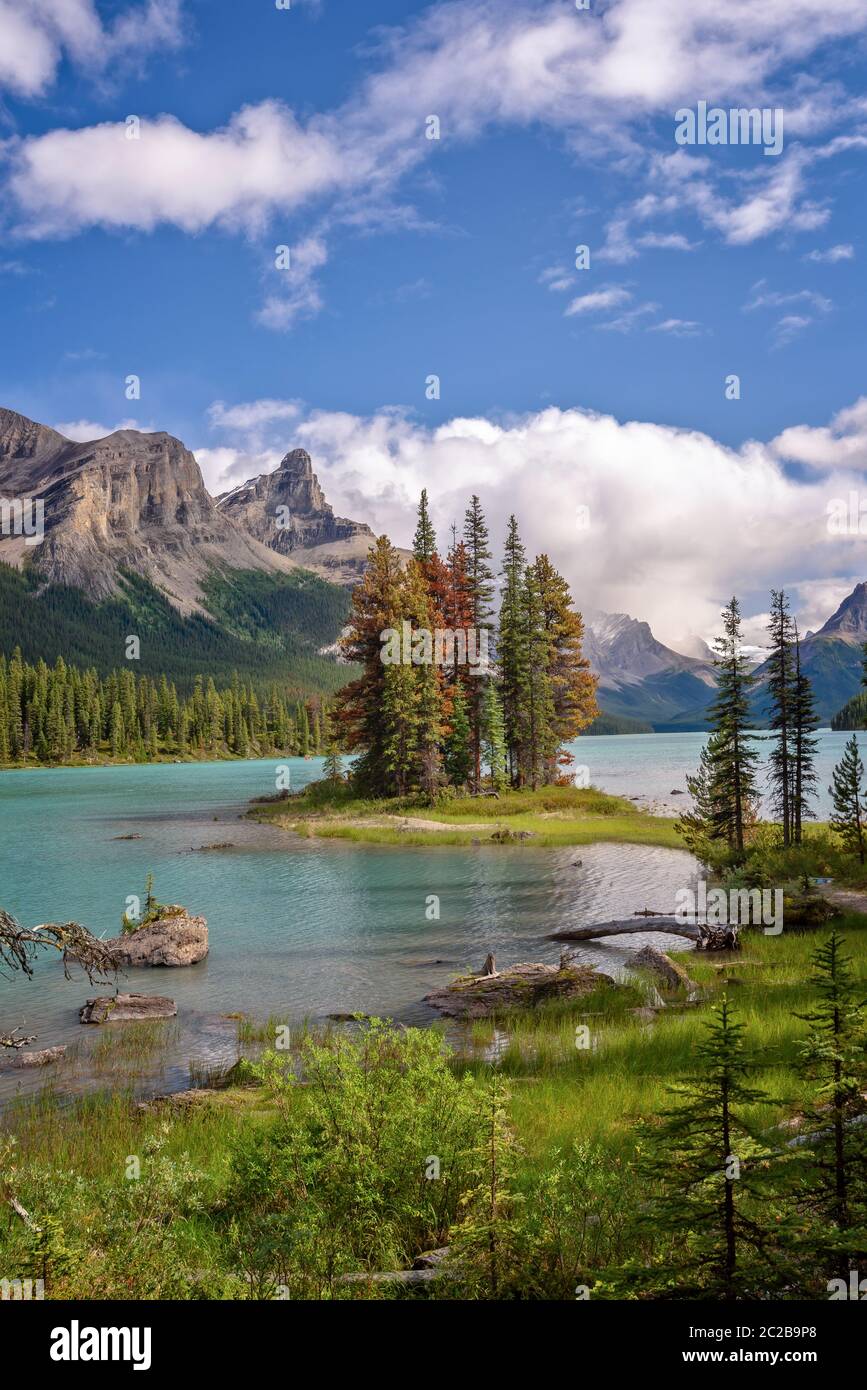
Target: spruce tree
780,690
573,686
511,644
832,1162
706,1166
399,728
847,792
457,752
733,771
359,706
494,737
424,543
538,742
480,590
805,721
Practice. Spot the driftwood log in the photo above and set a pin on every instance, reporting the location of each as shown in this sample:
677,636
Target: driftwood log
706,938
670,925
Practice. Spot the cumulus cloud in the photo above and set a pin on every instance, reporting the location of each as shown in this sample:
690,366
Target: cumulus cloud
35,37
237,176
840,445
678,521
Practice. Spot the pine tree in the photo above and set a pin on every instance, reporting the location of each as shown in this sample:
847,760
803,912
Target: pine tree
573,686
732,784
847,791
480,591
494,737
805,721
359,712
705,1163
832,1165
417,607
780,678
511,645
696,824
536,705
399,728
457,753
425,541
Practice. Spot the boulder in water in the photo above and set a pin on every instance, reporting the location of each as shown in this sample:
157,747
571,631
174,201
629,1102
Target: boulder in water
126,1008
175,938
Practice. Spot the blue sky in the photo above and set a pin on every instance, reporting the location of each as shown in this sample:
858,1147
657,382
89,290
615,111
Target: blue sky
455,257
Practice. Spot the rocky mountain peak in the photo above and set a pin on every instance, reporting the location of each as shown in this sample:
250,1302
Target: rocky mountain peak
849,623
287,511
297,461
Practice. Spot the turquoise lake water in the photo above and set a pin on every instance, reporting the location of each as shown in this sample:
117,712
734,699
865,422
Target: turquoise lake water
300,928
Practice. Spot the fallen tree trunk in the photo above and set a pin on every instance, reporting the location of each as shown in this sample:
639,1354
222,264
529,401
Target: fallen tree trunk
670,925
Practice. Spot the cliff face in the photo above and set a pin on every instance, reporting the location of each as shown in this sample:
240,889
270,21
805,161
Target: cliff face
129,501
286,510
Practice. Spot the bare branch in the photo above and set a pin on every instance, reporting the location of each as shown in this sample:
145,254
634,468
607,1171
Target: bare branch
10,1040
19,947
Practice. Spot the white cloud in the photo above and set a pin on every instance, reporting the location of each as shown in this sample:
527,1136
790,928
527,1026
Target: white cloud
679,328
840,445
251,414
238,176
476,64
763,298
84,431
225,467
595,300
833,254
297,295
34,37
678,521
789,327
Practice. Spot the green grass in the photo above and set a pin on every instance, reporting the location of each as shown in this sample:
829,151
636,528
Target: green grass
552,817
561,1094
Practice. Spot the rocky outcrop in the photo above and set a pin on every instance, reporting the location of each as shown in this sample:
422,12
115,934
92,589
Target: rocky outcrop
130,501
177,938
286,510
518,987
127,1008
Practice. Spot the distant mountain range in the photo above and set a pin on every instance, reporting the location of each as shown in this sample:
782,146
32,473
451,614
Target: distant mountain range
641,679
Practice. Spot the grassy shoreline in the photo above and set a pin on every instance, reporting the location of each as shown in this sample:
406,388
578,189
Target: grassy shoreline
551,817
563,1100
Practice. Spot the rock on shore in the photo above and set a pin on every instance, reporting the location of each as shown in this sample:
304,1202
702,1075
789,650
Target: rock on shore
176,938
518,987
125,1008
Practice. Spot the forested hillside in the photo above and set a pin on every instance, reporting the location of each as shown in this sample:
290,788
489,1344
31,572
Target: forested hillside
267,628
